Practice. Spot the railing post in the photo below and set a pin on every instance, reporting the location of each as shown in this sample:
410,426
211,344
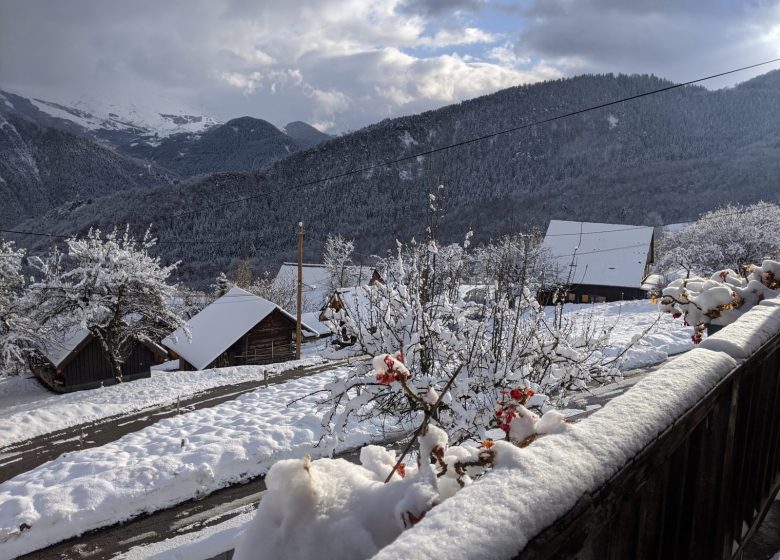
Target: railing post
725,522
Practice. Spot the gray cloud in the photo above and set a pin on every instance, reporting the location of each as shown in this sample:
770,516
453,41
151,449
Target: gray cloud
675,39
439,7
342,64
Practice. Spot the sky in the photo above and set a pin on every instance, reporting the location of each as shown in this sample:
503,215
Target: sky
343,64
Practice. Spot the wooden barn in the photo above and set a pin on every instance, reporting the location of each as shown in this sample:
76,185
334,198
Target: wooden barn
239,328
76,361
316,282
597,262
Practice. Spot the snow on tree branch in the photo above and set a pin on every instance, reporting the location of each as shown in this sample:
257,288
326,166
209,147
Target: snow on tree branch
110,286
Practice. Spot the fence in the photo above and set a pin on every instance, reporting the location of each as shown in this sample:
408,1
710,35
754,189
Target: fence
265,354
689,476
699,491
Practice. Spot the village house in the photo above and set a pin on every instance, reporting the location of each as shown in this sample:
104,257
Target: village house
75,360
239,328
597,262
316,289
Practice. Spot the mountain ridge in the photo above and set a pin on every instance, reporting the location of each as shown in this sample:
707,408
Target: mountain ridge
662,158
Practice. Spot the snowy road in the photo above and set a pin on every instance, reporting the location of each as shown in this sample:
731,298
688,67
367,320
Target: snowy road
28,410
21,457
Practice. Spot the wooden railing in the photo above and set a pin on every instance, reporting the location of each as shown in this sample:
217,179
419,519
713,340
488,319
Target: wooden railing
700,490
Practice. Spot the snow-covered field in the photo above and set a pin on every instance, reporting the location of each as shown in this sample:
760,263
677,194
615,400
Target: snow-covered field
665,336
164,464
27,409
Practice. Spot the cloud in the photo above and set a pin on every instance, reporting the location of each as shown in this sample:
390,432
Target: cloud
675,39
347,63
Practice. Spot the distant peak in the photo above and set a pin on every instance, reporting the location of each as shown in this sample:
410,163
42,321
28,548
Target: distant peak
250,122
305,134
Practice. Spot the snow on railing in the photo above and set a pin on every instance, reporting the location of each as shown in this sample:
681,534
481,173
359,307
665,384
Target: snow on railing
697,433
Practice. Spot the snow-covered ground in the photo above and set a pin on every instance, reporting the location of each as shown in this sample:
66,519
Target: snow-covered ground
665,336
164,464
197,452
27,409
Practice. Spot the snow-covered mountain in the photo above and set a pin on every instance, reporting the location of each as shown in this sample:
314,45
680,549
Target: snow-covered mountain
118,123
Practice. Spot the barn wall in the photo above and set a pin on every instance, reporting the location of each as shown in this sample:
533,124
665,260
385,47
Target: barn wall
270,340
587,293
91,368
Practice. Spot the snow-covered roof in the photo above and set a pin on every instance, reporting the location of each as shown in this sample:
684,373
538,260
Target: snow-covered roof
358,303
221,324
313,320
316,282
61,345
602,254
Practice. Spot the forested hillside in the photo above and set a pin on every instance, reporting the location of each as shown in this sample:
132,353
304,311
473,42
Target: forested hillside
662,158
42,168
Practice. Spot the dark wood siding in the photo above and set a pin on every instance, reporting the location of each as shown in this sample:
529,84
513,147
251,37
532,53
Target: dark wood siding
89,367
587,293
270,340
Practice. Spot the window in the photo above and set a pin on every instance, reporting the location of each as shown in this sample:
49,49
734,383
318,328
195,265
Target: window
585,298
571,296
601,299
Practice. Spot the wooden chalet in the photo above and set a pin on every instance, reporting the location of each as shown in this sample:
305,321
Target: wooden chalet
597,262
76,361
316,282
239,328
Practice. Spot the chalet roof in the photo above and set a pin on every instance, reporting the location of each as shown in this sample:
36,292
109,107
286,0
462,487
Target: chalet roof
220,325
313,320
316,281
602,254
59,347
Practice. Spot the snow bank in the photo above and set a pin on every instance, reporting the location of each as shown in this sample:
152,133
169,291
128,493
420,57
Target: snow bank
164,464
532,487
28,410
329,506
742,338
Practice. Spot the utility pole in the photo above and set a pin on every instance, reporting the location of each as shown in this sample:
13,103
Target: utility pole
300,293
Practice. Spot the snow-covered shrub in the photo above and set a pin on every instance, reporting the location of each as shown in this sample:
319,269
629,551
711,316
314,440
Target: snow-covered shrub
502,342
110,286
727,238
330,508
282,291
18,330
722,298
